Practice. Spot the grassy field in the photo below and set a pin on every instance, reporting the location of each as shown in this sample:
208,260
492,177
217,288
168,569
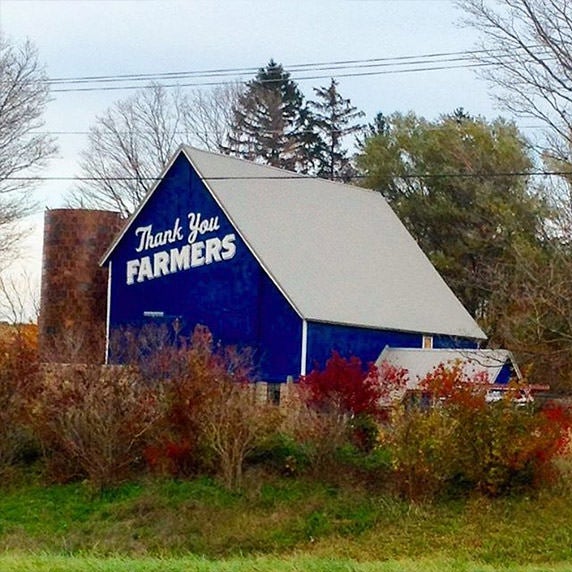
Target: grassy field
19,563
283,524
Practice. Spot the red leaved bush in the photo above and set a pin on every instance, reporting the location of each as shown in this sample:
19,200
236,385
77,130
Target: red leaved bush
449,384
344,403
211,413
557,425
346,387
171,458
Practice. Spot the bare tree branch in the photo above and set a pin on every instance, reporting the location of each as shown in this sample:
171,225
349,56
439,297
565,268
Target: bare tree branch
132,142
23,151
527,49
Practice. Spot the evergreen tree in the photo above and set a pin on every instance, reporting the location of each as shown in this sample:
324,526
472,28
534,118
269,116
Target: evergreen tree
271,123
379,126
334,118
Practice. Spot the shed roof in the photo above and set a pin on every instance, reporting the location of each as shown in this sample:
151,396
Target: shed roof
338,252
419,362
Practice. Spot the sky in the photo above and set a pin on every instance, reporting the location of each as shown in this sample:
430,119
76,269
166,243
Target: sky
78,38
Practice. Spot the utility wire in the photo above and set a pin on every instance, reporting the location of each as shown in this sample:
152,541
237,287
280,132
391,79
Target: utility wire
235,71
298,79
295,176
301,78
351,68
218,74
191,133
317,66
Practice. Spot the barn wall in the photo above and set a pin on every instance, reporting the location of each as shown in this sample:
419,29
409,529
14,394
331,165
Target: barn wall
451,342
366,343
352,341
229,293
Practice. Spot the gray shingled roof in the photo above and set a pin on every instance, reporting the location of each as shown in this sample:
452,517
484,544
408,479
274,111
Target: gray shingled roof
337,252
419,362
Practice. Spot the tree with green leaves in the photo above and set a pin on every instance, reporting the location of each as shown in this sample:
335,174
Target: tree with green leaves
335,118
457,184
271,122
379,126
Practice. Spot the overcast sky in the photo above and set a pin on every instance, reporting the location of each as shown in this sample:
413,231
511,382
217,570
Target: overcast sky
111,37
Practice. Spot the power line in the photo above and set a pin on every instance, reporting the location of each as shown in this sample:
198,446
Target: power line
239,70
303,68
216,77
297,176
301,78
191,133
320,66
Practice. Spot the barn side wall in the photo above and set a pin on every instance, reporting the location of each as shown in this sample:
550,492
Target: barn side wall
365,343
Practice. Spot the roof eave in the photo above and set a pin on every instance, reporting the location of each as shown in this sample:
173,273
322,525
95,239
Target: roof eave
477,336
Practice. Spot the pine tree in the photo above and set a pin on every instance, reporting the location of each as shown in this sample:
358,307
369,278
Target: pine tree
271,122
334,118
379,126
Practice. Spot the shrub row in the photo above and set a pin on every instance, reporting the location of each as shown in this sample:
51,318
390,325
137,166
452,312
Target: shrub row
191,408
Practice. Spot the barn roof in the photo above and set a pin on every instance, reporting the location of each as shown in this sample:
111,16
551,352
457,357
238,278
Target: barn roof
419,362
337,252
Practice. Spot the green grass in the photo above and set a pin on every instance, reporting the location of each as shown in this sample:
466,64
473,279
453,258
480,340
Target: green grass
47,563
277,524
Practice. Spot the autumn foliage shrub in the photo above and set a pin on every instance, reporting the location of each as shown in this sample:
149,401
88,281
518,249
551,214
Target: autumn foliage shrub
234,424
339,410
423,451
18,368
92,421
191,406
327,400
464,441
343,387
211,415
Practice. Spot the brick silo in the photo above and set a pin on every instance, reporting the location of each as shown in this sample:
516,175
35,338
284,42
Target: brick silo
74,286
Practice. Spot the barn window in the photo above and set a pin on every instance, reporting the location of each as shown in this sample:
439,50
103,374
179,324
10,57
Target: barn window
427,342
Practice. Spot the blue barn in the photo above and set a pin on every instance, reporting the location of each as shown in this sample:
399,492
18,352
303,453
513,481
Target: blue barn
289,265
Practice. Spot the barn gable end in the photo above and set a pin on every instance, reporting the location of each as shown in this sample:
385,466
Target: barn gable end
180,258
